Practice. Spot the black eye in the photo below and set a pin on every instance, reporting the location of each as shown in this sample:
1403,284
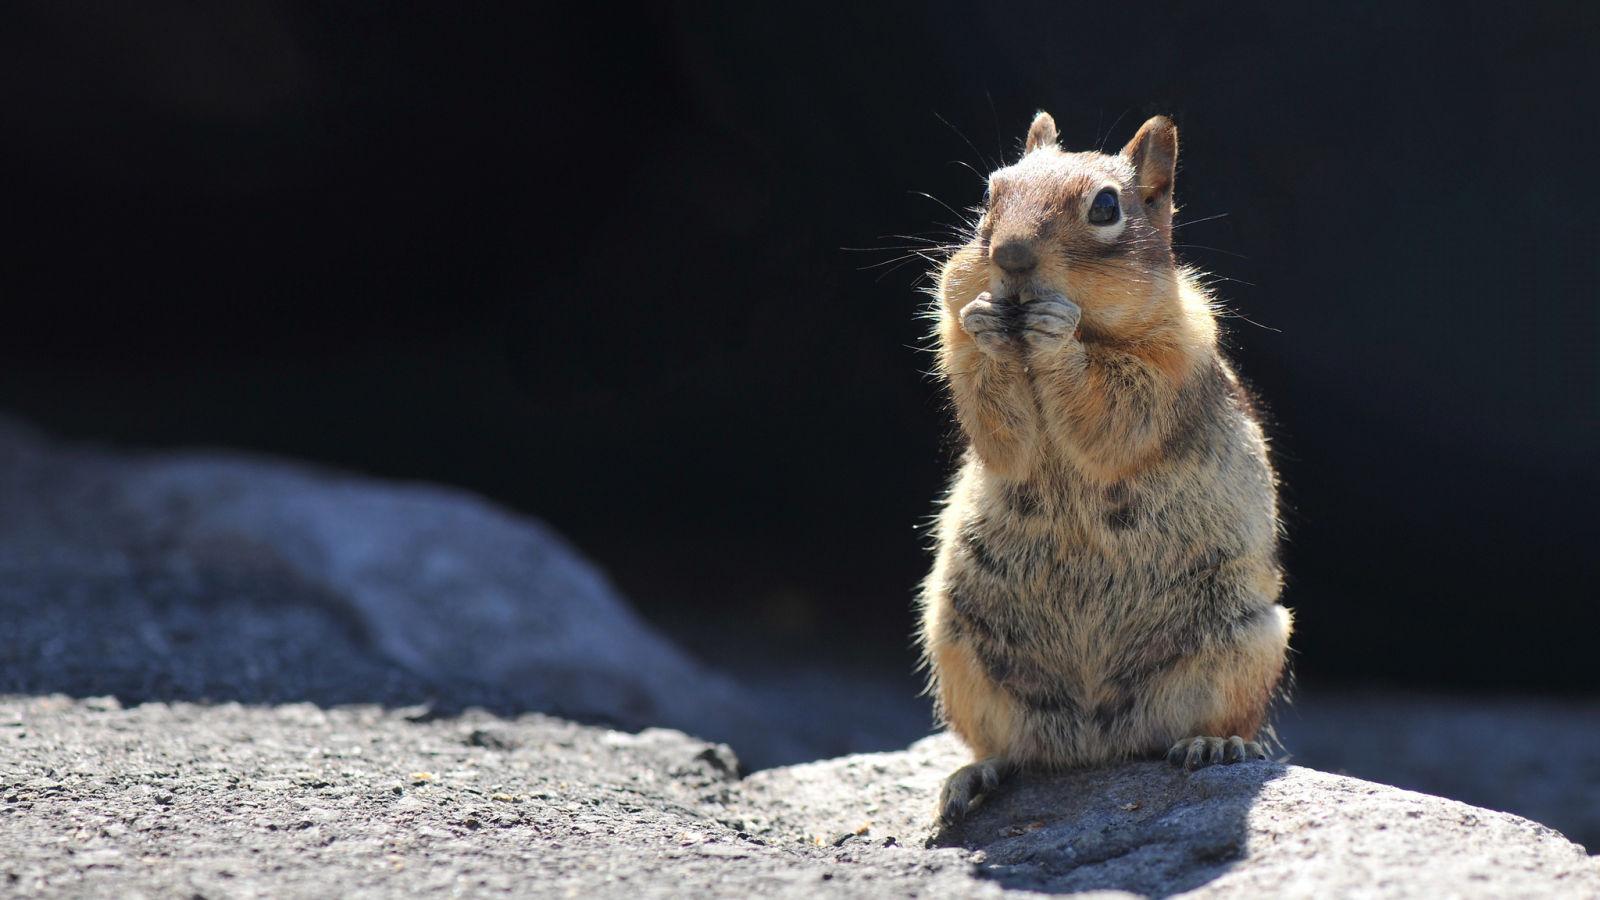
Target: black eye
1105,209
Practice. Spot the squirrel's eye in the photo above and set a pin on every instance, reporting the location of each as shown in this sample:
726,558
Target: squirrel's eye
1105,209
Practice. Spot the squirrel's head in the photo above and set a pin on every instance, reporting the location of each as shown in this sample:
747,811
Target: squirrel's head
1092,226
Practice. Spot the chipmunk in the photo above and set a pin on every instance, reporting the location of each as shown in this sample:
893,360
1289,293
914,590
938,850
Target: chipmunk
1106,579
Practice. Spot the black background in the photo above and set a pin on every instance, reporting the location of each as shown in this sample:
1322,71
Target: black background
591,261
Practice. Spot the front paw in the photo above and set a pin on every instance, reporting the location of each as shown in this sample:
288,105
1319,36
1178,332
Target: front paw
986,321
1048,322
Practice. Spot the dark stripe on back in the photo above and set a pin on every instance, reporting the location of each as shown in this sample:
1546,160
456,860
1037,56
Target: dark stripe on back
968,619
1023,499
1047,701
1109,715
981,554
1122,515
1200,414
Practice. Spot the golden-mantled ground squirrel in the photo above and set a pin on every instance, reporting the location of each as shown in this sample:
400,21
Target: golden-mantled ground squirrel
1107,577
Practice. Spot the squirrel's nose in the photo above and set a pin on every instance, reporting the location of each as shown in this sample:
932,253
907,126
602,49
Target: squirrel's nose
1015,255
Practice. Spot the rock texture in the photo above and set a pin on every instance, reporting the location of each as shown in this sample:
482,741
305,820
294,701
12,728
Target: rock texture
216,577
1534,756
298,567
235,802
295,801
1253,830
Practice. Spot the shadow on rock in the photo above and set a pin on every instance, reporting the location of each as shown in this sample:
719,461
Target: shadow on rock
1145,828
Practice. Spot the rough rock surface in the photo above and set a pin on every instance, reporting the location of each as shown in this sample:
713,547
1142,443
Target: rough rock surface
431,592
1534,756
207,576
1252,830
233,801
217,577
295,801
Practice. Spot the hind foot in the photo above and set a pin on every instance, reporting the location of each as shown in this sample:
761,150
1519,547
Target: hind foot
1199,752
967,785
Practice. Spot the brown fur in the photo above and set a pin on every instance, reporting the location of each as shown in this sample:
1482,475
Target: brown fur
1106,581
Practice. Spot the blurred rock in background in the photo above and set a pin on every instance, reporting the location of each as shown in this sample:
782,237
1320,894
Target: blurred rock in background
222,577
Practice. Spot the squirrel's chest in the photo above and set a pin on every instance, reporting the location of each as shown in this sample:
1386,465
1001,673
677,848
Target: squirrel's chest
1057,566
1053,536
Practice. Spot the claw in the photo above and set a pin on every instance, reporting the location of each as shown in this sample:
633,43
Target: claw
1200,752
966,786
951,808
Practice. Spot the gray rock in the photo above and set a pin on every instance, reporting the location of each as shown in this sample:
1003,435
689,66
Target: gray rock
211,576
296,801
456,595
180,800
1533,756
1251,830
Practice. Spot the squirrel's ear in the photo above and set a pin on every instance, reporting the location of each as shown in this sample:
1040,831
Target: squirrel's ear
1154,154
1042,133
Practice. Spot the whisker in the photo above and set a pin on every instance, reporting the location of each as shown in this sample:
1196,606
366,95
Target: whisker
898,259
1212,249
918,237
888,272
1102,147
970,167
952,209
927,246
964,138
1177,225
1235,314
999,147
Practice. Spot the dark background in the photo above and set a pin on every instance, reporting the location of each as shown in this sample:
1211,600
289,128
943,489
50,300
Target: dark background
592,261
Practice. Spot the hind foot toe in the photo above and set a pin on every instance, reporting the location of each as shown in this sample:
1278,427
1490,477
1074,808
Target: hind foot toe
1199,752
967,785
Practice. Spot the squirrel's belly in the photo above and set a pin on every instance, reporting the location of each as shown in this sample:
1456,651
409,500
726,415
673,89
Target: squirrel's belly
1091,657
